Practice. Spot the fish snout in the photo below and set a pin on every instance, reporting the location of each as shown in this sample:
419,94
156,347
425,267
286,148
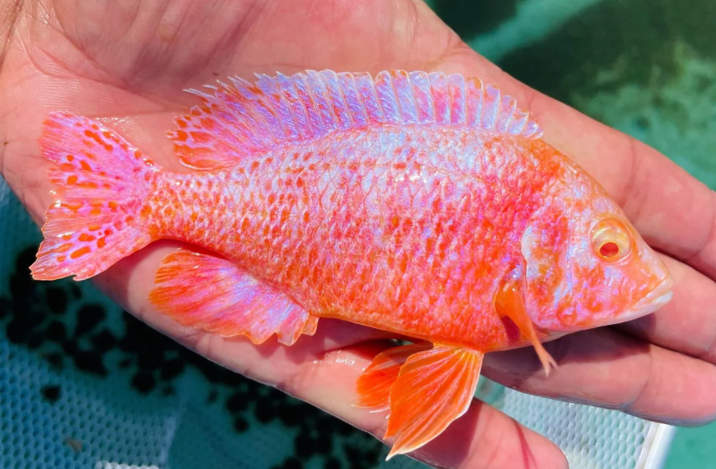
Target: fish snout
652,301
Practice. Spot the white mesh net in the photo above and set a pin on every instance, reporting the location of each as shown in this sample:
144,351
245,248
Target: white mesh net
83,385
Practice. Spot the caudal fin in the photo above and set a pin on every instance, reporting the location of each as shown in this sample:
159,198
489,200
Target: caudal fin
101,181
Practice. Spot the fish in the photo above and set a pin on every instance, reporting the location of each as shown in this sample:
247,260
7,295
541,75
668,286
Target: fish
423,204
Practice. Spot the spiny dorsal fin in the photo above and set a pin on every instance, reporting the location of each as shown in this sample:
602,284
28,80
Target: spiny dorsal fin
241,118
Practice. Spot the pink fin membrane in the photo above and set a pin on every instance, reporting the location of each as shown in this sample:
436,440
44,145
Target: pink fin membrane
240,119
434,388
101,181
215,295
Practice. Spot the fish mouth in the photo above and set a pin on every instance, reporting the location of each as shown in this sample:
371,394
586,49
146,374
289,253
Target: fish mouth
652,301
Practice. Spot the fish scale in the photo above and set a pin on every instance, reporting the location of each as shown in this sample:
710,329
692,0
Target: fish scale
426,205
350,224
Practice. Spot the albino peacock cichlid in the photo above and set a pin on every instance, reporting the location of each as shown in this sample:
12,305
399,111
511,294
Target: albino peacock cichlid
421,204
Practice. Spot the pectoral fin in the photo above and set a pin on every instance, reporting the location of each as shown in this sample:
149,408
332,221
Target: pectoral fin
509,302
434,388
215,295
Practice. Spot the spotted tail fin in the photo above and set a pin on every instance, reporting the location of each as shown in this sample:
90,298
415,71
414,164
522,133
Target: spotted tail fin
100,182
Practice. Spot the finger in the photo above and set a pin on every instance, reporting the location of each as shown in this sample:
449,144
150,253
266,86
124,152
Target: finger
639,177
672,210
130,282
687,324
482,438
323,370
606,368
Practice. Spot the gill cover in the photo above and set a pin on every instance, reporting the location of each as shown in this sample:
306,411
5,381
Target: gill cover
586,265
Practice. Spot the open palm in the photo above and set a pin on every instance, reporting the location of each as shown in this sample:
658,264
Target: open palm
126,63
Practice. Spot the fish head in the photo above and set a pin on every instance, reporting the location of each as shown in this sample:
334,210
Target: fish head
585,264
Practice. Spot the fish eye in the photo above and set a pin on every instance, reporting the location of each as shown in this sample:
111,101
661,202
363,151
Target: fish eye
611,240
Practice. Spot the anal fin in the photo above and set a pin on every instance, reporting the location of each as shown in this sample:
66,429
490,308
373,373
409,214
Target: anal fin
215,295
434,387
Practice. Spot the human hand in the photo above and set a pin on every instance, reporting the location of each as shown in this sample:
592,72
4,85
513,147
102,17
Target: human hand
126,63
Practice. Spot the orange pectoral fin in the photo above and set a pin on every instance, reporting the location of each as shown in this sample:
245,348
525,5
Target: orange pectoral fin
215,295
434,388
375,382
509,302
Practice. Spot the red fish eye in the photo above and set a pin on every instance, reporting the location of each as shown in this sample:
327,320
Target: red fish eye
609,250
611,240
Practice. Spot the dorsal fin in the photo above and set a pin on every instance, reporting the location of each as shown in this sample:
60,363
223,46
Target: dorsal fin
241,118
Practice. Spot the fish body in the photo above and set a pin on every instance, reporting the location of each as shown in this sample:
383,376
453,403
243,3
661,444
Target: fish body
421,204
385,227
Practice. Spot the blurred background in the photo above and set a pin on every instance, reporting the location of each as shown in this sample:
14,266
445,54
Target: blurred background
84,385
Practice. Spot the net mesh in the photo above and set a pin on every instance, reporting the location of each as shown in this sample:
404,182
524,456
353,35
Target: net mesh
84,385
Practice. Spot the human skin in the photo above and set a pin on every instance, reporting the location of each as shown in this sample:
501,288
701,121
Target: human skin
126,63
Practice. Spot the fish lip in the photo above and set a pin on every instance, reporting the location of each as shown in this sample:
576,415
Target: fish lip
652,301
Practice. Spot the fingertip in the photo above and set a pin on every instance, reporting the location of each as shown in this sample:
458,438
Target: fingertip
486,438
678,391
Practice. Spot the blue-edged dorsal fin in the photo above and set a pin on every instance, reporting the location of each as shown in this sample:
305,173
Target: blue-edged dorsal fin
241,118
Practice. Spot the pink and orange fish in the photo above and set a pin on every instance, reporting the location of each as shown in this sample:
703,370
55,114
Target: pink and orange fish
422,204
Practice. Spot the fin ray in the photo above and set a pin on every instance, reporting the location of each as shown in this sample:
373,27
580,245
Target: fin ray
374,384
434,388
509,302
215,295
101,181
238,120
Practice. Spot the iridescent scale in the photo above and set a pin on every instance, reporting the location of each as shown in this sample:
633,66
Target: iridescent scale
422,204
391,203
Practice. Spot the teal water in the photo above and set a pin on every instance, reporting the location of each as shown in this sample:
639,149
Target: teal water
646,67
